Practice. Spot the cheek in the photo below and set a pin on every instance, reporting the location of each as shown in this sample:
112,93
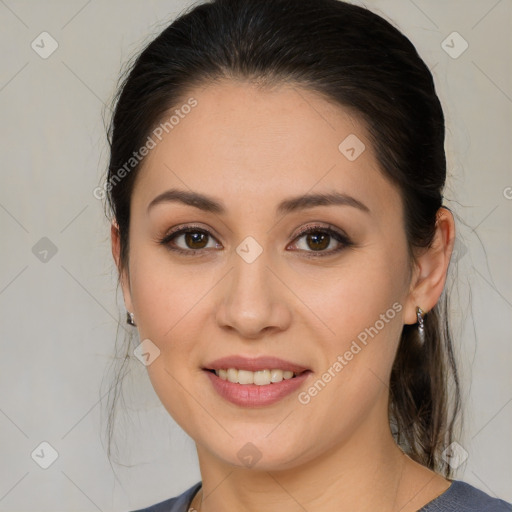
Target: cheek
364,312
351,298
166,295
171,304
361,312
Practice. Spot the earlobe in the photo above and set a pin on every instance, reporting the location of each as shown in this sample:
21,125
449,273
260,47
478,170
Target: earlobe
431,268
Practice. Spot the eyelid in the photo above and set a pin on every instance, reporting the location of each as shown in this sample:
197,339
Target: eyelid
181,228
311,227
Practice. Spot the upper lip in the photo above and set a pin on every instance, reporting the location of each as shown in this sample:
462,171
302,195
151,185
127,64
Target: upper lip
254,364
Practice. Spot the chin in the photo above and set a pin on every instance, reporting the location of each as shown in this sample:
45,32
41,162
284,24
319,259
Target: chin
261,453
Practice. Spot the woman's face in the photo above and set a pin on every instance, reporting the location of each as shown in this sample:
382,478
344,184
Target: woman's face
244,282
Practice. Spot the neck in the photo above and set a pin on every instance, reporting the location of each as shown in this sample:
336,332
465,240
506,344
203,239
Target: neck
366,472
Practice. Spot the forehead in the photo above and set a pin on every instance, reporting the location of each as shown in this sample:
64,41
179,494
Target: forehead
250,142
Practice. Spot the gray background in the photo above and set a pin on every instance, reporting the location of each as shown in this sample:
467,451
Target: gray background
59,312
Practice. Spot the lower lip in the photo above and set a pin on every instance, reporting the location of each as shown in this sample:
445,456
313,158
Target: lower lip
252,395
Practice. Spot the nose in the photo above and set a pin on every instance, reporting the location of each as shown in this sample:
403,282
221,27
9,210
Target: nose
253,300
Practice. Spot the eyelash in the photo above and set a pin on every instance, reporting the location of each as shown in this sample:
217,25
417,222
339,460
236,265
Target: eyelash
341,238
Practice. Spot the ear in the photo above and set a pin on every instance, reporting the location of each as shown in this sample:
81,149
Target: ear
431,266
123,273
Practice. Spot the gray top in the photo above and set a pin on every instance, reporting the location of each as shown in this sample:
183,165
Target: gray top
459,497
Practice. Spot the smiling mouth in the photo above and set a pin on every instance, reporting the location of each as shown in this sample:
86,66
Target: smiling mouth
259,377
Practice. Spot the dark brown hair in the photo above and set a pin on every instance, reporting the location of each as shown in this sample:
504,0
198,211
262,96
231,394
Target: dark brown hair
360,61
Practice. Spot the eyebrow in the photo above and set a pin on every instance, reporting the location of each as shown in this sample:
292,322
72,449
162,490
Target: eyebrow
209,204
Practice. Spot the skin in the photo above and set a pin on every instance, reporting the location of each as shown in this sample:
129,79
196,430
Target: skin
250,148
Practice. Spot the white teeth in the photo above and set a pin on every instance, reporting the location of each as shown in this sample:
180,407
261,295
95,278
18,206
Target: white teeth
232,375
260,377
276,375
245,377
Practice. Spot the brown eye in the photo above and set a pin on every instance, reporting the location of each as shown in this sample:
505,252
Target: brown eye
318,241
195,240
190,240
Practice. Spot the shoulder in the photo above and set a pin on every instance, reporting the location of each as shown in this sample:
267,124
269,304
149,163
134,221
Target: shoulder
463,497
177,504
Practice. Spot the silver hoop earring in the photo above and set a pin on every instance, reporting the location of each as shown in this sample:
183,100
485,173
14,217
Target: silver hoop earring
129,319
420,315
